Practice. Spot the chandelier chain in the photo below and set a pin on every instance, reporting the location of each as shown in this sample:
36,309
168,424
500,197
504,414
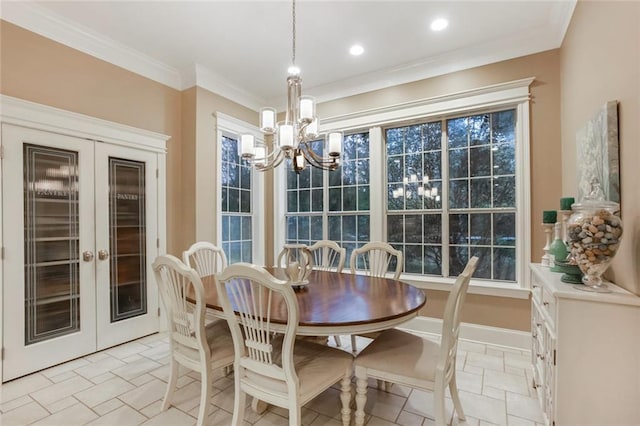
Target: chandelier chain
293,53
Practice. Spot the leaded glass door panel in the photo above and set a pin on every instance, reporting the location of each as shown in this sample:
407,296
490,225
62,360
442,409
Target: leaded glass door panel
80,230
126,232
48,224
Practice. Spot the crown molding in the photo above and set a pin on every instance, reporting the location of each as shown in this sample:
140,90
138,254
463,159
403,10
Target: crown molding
203,77
536,41
41,21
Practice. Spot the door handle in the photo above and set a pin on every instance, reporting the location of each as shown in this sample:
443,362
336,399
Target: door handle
87,256
103,255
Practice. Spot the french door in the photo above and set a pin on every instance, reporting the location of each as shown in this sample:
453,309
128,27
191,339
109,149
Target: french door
79,232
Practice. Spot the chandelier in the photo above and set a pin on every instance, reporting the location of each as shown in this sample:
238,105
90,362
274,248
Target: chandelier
292,138
412,186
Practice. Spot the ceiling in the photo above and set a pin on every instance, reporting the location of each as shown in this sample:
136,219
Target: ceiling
241,49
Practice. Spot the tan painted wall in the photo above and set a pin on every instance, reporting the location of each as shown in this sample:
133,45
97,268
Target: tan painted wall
545,158
486,310
203,173
187,232
600,61
40,70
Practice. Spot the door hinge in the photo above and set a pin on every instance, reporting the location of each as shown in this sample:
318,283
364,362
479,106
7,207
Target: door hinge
1,152
158,311
2,253
2,354
157,173
157,242
554,357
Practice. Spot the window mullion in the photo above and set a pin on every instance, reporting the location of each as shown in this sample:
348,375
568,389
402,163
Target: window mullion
325,204
445,200
377,212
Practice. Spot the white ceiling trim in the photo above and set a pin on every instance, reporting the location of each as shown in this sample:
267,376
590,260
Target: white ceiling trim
213,82
41,21
496,50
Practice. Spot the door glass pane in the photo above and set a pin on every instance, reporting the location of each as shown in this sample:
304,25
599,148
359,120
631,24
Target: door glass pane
51,254
127,239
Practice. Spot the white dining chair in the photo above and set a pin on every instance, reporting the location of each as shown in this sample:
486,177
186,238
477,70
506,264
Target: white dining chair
192,344
328,256
206,258
267,365
410,360
376,258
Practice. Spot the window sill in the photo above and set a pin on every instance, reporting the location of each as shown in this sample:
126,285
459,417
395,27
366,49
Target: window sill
484,288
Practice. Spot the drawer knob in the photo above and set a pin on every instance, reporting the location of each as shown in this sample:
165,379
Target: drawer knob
545,303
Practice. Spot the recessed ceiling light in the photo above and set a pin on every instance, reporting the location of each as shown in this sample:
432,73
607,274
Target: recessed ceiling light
439,24
356,50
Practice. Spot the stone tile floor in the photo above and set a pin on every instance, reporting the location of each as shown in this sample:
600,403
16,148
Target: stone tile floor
124,385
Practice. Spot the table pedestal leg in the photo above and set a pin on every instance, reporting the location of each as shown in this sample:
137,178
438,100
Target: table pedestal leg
259,406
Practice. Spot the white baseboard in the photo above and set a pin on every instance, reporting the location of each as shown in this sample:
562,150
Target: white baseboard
474,332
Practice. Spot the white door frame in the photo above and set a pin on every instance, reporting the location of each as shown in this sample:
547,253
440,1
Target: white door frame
29,114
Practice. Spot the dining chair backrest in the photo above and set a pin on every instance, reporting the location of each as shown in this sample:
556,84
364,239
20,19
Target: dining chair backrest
376,258
328,256
188,339
206,258
264,361
451,321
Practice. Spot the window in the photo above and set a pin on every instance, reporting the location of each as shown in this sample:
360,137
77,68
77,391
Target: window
441,179
239,192
332,205
236,204
479,211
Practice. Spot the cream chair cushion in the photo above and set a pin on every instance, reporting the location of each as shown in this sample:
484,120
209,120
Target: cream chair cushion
402,354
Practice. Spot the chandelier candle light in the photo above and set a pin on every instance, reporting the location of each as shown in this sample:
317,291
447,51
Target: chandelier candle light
422,187
292,139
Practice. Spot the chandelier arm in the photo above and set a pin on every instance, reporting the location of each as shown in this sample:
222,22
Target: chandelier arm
328,163
270,164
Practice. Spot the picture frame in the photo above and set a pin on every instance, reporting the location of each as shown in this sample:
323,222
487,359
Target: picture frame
598,159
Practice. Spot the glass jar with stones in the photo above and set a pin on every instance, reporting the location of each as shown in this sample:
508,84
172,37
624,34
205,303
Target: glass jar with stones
594,233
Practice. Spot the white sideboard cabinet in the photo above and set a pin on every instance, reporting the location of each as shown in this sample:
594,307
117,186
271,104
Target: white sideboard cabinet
585,352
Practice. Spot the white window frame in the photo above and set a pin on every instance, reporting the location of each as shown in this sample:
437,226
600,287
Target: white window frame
231,127
509,95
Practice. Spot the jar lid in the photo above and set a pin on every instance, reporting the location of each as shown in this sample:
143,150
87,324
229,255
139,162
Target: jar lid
595,199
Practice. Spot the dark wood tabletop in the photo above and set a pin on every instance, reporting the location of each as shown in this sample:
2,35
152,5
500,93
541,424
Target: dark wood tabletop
342,302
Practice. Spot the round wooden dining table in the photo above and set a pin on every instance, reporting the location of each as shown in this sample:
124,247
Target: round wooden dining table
337,303
341,303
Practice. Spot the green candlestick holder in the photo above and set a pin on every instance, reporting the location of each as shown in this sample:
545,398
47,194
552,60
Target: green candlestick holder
571,274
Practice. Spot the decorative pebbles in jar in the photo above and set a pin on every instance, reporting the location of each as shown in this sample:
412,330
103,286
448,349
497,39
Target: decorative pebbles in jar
594,232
